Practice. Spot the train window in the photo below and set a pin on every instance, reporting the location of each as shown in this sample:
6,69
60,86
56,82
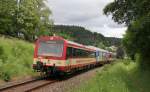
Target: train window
69,52
91,54
74,52
50,48
100,54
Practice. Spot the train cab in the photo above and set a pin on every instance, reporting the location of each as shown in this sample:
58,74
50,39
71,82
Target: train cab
56,52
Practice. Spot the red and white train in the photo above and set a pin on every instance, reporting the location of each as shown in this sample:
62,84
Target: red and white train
56,54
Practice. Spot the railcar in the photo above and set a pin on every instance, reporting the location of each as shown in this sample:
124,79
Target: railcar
55,54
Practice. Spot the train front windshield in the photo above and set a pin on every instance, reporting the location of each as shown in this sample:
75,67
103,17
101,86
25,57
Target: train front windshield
50,48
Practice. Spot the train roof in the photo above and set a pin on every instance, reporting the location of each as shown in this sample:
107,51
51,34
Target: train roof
79,46
69,43
74,44
98,49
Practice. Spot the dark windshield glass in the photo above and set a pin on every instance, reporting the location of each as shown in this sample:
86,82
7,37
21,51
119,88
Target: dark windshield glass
50,48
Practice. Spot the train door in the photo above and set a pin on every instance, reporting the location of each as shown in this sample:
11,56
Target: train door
69,56
100,56
97,56
103,56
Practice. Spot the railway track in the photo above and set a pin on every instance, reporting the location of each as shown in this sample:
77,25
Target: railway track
26,85
36,83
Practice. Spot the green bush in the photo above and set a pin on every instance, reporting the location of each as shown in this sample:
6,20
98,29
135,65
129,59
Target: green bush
5,76
126,62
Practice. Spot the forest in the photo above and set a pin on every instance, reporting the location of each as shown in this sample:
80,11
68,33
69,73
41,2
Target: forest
85,36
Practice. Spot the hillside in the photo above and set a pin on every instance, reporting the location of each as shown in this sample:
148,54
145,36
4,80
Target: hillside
15,58
113,41
84,36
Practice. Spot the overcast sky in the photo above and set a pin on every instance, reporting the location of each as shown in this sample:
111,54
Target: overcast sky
86,13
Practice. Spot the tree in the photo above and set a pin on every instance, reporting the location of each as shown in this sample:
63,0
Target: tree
136,15
127,11
27,18
7,12
33,18
120,53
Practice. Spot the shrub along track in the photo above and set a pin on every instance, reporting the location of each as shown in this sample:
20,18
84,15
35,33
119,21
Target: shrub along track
26,85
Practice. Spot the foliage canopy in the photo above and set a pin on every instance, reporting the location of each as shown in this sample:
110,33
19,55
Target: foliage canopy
27,18
136,15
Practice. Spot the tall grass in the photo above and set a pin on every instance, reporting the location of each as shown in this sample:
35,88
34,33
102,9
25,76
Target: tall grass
122,76
15,58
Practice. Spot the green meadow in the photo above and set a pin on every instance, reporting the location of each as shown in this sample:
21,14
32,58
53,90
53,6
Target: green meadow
16,58
121,76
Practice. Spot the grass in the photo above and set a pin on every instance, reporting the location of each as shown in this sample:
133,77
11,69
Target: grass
16,58
122,76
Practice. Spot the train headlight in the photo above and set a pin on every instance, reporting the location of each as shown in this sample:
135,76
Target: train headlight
48,62
34,62
44,62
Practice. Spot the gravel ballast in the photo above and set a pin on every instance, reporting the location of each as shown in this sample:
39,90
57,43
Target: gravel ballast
68,84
